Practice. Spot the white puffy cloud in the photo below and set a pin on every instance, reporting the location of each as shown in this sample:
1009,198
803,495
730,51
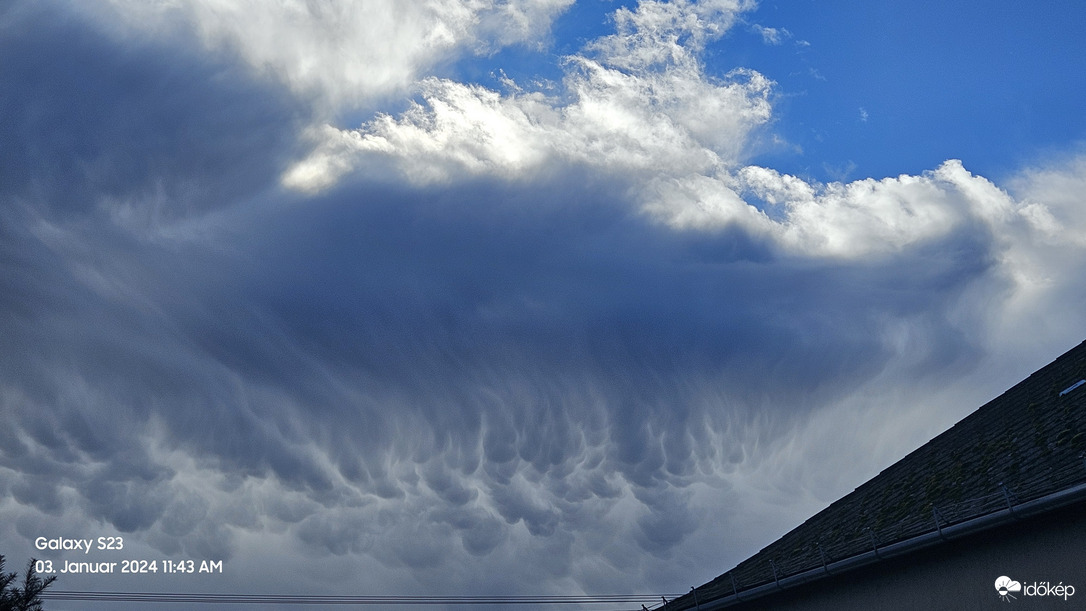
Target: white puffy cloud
348,53
465,129
771,36
666,34
871,216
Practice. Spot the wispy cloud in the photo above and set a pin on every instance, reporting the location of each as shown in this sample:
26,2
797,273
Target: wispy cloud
774,36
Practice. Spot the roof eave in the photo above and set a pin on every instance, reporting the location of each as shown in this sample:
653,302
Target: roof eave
1050,502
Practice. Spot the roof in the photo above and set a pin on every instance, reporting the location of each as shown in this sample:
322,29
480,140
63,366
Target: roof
1025,444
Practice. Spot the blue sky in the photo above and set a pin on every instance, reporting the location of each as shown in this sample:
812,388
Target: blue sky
511,297
995,86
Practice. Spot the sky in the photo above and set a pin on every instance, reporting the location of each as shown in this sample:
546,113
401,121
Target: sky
510,297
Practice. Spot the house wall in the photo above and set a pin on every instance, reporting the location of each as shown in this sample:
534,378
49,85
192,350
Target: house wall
959,574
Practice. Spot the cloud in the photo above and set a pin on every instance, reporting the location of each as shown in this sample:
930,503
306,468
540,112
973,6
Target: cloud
666,34
870,216
640,105
522,342
346,53
773,36
135,140
444,379
637,100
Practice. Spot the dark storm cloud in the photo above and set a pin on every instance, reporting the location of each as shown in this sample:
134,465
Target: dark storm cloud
98,137
134,128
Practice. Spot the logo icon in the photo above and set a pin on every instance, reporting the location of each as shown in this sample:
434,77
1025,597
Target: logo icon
1005,585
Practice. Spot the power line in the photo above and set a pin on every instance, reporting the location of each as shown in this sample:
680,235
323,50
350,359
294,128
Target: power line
177,597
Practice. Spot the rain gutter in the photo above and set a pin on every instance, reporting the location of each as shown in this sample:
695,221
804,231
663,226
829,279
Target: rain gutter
1056,500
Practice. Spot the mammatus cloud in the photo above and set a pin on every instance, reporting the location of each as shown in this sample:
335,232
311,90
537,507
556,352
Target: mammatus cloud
577,343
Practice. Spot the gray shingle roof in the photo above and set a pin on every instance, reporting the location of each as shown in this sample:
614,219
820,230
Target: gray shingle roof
1025,444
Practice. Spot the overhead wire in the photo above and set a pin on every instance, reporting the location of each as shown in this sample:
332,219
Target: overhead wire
290,599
